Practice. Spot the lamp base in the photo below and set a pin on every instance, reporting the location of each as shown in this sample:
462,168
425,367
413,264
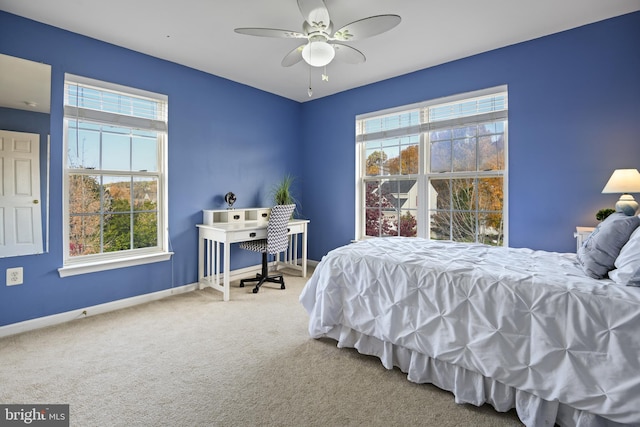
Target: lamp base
627,205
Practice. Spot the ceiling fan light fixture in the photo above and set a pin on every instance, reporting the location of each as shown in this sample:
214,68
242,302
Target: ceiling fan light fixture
318,53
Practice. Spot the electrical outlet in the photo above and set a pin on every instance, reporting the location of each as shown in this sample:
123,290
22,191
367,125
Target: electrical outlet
14,276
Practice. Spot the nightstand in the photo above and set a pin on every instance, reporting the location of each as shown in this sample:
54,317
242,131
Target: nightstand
581,235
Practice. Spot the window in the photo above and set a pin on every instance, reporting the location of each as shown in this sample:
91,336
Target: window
435,169
115,176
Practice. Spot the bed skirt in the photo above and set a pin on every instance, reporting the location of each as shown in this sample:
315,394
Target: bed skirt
468,387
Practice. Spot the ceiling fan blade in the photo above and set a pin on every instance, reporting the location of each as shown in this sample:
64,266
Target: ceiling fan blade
293,57
270,32
348,54
315,13
367,27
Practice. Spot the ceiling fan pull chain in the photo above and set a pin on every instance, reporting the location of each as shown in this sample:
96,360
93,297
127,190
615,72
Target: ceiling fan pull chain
310,91
325,76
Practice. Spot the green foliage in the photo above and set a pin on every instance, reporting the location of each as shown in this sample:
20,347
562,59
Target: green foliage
145,229
114,226
117,229
282,191
602,214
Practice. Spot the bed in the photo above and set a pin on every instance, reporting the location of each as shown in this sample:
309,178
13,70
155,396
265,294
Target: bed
512,327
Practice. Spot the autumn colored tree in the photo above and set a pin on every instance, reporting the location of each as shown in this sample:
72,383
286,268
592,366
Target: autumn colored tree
491,201
375,163
470,209
114,221
84,218
120,191
406,163
376,223
408,225
377,203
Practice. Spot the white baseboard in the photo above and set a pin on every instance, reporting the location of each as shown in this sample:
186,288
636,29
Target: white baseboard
56,319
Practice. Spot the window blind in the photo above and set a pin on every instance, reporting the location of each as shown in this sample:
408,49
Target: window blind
424,117
142,110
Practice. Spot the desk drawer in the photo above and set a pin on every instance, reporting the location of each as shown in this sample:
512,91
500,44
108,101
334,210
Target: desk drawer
230,216
262,216
296,228
247,235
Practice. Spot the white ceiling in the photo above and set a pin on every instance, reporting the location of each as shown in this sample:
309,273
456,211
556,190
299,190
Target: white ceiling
199,33
24,85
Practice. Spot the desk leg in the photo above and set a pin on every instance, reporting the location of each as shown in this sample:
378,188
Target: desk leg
304,251
227,247
215,247
200,262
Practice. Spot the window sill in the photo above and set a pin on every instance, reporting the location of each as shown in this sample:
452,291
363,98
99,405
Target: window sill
93,267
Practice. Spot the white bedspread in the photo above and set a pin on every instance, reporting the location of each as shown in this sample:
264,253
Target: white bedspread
528,319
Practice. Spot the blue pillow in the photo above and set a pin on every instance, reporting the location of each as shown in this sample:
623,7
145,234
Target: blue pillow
598,253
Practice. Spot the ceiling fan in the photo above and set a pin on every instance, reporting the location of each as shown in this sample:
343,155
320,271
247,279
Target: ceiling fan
322,44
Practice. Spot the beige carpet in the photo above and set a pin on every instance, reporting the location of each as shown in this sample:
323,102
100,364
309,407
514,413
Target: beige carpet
194,360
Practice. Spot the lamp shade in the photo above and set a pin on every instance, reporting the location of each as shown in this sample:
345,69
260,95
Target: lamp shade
623,181
318,53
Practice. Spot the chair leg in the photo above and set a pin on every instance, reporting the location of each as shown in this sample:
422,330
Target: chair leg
259,276
263,277
265,273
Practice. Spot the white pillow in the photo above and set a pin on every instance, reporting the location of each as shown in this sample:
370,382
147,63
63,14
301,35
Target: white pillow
627,271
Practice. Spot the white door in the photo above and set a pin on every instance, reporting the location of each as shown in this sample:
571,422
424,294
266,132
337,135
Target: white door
20,210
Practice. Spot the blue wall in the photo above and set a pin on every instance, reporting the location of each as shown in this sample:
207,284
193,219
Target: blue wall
223,136
574,117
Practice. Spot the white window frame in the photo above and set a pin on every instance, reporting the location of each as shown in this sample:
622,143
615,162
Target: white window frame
127,258
424,175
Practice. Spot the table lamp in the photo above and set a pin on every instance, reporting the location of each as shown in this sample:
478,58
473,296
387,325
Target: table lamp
624,181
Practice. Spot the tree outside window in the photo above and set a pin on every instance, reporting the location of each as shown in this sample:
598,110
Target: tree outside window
446,160
115,144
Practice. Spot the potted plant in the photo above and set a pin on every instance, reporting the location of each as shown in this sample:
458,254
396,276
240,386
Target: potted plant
602,214
282,192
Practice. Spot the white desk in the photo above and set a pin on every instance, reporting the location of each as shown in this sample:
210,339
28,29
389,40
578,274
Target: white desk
212,236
